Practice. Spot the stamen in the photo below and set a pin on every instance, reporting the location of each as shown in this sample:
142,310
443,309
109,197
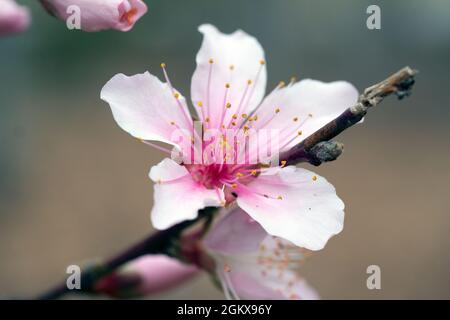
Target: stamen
187,175
187,118
226,105
293,134
208,87
262,63
156,146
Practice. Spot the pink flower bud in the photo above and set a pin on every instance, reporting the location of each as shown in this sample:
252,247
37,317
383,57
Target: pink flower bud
149,274
96,15
13,17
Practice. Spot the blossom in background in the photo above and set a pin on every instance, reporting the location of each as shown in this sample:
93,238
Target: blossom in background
146,275
251,264
227,89
248,263
14,18
96,15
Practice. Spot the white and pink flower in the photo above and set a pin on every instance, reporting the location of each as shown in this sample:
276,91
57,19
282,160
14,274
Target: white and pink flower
14,18
97,15
227,91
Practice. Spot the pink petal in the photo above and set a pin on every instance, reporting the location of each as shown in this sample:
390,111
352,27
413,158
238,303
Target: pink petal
99,15
145,107
305,106
235,233
250,286
177,197
294,204
239,50
13,17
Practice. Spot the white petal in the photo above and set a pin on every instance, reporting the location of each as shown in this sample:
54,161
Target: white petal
145,107
245,54
251,286
177,197
305,106
308,212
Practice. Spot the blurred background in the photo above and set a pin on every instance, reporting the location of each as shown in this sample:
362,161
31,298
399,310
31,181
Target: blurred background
74,187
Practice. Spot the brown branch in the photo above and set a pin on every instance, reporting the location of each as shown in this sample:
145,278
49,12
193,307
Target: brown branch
160,242
318,148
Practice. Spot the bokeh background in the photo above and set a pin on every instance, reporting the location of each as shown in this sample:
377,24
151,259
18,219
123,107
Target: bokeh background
74,187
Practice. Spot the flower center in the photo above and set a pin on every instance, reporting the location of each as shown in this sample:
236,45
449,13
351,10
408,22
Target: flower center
214,175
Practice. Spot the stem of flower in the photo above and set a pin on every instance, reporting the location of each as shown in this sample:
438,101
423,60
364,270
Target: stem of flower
164,241
318,148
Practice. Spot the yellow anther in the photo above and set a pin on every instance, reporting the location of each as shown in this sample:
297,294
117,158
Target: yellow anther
163,65
172,123
277,110
310,115
234,185
314,178
253,172
255,117
281,84
200,104
262,62
239,175
234,116
293,79
244,115
228,105
223,126
249,82
300,132
280,198
211,61
227,85
176,95
246,128
233,123
295,119
207,119
283,163
232,67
